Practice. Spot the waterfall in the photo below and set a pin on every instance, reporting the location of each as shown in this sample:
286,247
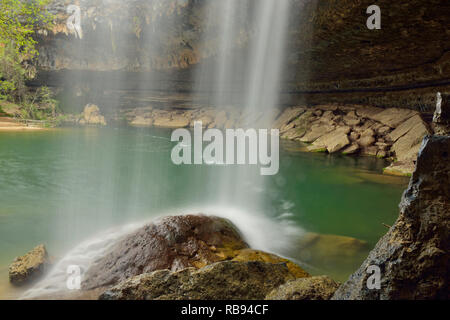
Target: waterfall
244,75
268,55
257,99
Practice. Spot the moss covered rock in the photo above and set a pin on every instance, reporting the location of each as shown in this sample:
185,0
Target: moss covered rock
29,267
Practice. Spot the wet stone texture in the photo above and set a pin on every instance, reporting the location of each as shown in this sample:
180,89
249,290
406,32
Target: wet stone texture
172,243
413,255
29,267
227,280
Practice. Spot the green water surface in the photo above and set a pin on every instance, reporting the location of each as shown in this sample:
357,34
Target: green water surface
61,186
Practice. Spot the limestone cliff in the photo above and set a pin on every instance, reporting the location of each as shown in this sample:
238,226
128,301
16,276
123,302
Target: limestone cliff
335,58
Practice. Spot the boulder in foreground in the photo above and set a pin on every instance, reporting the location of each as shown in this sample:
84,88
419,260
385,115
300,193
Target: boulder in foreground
29,267
227,280
173,243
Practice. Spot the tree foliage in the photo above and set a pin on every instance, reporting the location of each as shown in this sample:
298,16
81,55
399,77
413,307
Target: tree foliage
19,20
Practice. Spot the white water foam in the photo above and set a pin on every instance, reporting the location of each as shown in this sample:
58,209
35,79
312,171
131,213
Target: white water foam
260,232
82,256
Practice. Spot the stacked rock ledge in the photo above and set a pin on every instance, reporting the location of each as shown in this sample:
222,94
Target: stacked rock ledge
392,133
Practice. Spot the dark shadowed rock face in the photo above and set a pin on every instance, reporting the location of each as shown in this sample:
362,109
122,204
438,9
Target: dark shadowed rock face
413,255
331,56
172,243
227,280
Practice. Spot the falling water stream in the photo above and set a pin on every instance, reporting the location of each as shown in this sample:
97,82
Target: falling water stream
78,190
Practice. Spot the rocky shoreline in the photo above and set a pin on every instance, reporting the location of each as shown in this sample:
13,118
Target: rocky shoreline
394,134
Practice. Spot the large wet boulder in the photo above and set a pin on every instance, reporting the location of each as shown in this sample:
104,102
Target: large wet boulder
329,249
311,288
227,280
29,267
173,243
413,255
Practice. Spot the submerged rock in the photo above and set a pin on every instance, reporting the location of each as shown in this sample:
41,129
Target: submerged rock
172,243
382,178
329,250
400,168
312,288
29,267
413,255
227,280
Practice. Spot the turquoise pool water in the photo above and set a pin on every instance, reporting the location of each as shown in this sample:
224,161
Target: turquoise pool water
62,186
